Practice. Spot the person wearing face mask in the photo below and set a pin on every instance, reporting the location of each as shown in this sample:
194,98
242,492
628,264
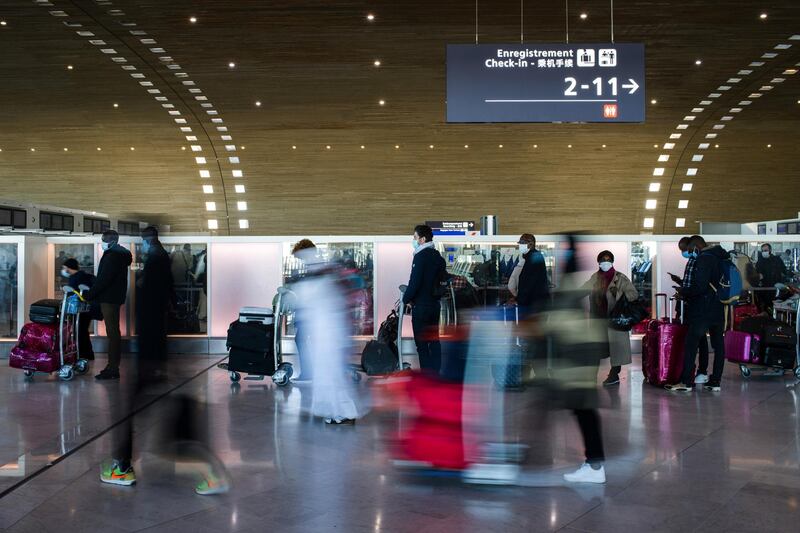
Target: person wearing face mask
607,286
771,271
154,294
76,277
686,281
426,270
110,290
528,282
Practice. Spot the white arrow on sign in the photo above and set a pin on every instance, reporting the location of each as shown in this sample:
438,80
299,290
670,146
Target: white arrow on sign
633,86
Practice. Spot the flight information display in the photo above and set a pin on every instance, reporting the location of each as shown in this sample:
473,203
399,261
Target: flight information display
546,83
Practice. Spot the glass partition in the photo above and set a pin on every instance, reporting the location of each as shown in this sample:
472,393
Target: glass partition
642,256
788,252
486,267
357,261
83,253
189,263
8,290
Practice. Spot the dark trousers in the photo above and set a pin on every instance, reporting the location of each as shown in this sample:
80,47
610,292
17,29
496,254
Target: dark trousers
702,358
696,334
589,423
152,329
425,322
84,337
111,319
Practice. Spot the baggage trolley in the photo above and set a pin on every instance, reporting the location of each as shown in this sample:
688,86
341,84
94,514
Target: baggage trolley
68,337
283,370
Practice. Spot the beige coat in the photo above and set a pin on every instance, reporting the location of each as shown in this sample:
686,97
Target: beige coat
619,342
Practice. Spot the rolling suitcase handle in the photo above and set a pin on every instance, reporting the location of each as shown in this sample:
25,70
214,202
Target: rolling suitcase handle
660,295
671,314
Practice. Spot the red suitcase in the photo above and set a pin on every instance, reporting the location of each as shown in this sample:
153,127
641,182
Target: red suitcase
740,312
663,349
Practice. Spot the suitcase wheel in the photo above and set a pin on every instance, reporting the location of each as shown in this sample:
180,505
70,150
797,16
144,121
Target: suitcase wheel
745,370
235,376
406,366
66,373
82,366
797,372
356,375
283,374
28,373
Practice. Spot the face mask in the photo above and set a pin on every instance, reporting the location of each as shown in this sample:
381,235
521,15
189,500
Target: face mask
605,266
64,273
145,247
685,254
523,248
415,244
106,245
765,255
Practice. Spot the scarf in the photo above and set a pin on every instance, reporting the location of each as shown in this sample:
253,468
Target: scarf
600,300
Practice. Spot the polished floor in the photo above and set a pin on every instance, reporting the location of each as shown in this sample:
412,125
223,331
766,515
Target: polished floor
694,462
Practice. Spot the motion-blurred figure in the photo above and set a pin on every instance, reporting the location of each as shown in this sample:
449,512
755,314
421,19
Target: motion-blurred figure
577,342
326,324
183,435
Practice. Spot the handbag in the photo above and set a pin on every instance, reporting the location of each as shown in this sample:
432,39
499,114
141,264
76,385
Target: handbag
626,314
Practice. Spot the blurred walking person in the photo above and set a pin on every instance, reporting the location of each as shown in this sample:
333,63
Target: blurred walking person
155,291
326,320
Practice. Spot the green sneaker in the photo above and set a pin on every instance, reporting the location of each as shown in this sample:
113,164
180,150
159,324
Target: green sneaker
111,473
212,485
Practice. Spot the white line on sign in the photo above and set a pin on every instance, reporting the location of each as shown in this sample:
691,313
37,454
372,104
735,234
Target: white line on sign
544,101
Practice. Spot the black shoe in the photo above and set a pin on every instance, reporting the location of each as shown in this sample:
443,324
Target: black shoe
88,357
713,385
612,379
107,373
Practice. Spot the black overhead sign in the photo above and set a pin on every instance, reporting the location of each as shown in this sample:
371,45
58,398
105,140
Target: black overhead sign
545,83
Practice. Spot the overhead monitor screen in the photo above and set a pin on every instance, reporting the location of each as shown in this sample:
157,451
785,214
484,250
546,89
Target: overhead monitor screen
545,83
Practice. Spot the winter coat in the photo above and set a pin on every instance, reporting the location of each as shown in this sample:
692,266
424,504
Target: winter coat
619,342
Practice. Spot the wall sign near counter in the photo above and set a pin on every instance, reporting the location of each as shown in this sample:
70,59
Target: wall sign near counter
545,83
452,227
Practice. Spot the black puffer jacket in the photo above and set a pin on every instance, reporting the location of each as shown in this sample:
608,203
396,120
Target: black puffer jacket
111,284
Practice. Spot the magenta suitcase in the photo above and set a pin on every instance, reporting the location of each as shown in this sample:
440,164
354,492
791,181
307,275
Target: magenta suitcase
662,350
743,348
38,349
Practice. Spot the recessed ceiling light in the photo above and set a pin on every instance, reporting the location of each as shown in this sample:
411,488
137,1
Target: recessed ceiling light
762,16
33,149
294,147
499,145
231,65
536,146
211,206
213,224
381,102
466,146
241,206
244,224
569,146
328,147
241,148
208,189
769,146
183,148
604,146
193,19
258,103
116,105
69,67
3,23
363,147
584,16
655,146
396,146
431,147
654,101
377,63
716,146
370,17
99,149
239,188
66,149
698,62
132,148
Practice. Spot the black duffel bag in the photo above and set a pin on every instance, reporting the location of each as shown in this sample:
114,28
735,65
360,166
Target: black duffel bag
379,358
626,314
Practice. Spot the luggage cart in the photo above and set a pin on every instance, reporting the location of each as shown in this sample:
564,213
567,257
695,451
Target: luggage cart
68,338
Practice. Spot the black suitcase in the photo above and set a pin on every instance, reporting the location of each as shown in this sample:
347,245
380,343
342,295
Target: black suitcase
779,335
780,357
379,358
248,362
45,311
251,337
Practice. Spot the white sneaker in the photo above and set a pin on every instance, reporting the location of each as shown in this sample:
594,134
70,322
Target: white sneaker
587,474
701,378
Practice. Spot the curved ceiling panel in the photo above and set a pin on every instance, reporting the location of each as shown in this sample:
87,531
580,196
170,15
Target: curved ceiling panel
338,121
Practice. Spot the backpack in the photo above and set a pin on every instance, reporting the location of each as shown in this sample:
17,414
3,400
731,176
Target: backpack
387,333
729,288
379,358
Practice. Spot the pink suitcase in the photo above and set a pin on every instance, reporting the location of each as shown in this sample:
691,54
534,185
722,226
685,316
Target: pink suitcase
38,349
662,350
743,348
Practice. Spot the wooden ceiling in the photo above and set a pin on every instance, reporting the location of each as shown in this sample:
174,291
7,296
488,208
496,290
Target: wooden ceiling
310,64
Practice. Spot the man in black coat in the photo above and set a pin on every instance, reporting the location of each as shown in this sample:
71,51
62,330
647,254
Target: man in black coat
110,290
426,271
154,293
772,271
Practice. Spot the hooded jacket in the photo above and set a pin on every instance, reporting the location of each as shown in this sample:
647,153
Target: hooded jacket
700,295
111,284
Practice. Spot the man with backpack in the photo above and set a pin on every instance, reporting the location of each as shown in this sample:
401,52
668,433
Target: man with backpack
428,271
710,286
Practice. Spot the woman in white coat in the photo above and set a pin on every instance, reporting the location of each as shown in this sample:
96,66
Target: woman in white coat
607,287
